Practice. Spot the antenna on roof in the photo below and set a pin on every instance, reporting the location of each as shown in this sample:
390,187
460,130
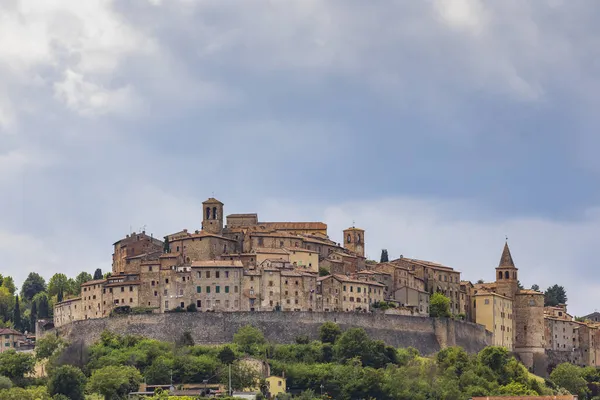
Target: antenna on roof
353,223
506,236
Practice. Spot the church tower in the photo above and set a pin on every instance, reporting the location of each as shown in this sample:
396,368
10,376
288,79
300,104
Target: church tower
212,221
354,241
506,275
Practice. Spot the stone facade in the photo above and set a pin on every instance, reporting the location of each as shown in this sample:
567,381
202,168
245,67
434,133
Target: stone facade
10,339
133,245
428,335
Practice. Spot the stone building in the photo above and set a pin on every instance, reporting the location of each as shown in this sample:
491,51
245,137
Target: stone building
342,293
67,311
10,339
435,278
527,311
133,245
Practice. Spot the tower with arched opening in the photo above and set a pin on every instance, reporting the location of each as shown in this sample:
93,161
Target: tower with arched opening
507,282
354,241
212,220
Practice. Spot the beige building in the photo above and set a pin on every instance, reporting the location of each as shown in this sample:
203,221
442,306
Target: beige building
10,339
91,299
436,278
67,311
216,286
495,312
341,293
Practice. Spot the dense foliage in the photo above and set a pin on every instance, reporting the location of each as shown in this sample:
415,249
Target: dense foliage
342,365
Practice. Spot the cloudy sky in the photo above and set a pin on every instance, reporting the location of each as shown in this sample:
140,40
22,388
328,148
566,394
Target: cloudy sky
440,127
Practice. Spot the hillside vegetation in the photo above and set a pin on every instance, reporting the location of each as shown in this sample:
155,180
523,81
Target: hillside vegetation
341,365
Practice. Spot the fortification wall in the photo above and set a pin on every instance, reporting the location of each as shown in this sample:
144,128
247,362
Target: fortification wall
428,335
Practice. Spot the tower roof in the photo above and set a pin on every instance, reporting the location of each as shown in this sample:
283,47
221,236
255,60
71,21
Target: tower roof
212,200
506,259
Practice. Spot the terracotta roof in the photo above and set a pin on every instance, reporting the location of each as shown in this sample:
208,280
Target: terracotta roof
267,250
529,291
69,300
124,283
294,225
424,263
506,259
9,331
344,278
94,282
217,263
212,200
303,250
488,293
251,215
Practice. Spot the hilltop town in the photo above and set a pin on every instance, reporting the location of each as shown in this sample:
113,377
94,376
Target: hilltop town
248,265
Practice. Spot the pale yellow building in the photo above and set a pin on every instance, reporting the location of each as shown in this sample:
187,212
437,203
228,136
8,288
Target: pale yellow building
495,312
276,385
304,259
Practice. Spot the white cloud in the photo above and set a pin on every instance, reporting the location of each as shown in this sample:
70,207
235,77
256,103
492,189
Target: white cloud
90,99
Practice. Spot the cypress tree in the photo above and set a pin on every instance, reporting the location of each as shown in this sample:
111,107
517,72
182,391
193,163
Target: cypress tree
384,256
33,317
17,315
98,274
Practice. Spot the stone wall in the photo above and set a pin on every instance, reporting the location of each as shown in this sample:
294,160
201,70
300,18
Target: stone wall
428,335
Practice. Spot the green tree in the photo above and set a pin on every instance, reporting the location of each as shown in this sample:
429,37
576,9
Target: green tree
570,377
159,373
329,332
9,283
15,365
5,383
33,316
47,345
7,303
554,296
535,287
68,381
226,355
32,286
114,382
323,271
191,307
58,284
17,315
242,376
248,337
166,245
439,306
98,274
350,344
384,256
80,279
43,307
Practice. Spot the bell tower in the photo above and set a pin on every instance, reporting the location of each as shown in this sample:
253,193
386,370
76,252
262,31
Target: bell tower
212,222
506,275
354,241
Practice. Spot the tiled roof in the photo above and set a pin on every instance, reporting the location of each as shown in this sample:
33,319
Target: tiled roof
69,300
294,225
94,282
9,331
217,263
301,250
267,250
212,200
506,259
424,263
242,215
124,283
344,278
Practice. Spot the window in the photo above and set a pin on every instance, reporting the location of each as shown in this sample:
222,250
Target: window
199,274
130,300
166,303
165,292
130,289
155,293
122,288
487,301
217,289
358,289
207,274
226,274
348,238
296,283
167,280
344,288
198,289
150,268
226,303
235,289
117,301
199,303
153,283
352,288
182,305
260,241
270,283
217,274
208,289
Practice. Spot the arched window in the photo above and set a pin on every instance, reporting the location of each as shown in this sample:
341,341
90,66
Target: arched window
214,212
349,239
358,238
500,275
506,275
207,212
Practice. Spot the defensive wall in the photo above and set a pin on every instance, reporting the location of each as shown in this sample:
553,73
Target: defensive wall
428,335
